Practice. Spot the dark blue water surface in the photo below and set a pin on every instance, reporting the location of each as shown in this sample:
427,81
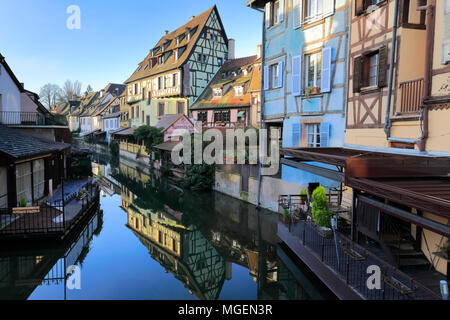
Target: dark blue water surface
152,240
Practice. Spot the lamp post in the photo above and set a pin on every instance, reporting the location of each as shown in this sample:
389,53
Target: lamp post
444,289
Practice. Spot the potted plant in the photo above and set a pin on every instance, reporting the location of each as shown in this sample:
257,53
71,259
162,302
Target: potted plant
23,202
321,212
286,216
303,196
315,90
445,249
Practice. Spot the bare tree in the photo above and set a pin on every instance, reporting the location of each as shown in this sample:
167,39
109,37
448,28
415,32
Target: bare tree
89,89
71,90
50,95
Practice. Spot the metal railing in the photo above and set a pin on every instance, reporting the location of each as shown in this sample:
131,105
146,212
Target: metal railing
411,93
22,118
46,218
350,262
224,124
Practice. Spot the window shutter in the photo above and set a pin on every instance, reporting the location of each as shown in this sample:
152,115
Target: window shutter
297,75
326,70
281,14
268,14
359,7
328,8
382,66
297,13
325,134
446,34
296,135
357,73
266,77
280,74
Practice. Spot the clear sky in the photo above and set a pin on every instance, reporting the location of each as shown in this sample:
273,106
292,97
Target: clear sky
114,36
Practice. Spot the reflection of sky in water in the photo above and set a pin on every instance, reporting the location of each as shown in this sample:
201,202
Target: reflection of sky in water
119,266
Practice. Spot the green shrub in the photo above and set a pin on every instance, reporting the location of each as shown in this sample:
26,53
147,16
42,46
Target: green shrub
320,211
286,214
199,176
114,147
304,194
23,202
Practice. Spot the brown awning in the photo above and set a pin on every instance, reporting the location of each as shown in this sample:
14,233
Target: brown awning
417,181
167,146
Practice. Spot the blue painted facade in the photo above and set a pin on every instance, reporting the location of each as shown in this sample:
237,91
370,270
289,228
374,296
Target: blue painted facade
291,40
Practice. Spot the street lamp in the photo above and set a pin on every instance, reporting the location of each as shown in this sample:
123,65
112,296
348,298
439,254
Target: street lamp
444,290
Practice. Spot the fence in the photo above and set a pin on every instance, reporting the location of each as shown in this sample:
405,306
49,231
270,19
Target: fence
24,118
350,262
48,218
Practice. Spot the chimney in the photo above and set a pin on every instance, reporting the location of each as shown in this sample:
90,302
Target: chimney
191,18
166,32
258,51
231,48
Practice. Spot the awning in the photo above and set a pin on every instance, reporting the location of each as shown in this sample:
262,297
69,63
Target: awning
241,113
167,146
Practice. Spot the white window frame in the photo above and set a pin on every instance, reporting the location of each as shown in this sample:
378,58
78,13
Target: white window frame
316,81
238,91
217,92
312,131
273,75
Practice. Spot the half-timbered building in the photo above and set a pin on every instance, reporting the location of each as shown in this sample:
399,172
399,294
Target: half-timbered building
177,69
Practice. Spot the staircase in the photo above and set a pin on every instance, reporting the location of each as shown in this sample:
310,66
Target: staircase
399,244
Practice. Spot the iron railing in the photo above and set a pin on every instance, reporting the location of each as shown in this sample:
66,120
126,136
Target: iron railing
224,124
47,218
22,118
411,93
350,263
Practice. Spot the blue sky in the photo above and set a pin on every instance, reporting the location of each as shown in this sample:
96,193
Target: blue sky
114,36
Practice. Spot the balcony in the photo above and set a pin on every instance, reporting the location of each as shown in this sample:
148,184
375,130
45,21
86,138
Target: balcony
411,93
21,118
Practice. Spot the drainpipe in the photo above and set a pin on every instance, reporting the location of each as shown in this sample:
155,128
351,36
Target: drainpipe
347,59
429,9
261,108
387,121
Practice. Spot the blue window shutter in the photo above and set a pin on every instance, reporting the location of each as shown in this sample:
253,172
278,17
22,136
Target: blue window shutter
280,74
296,135
325,130
297,75
326,70
281,18
297,13
266,77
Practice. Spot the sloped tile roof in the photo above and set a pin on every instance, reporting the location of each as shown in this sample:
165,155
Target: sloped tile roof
17,145
168,120
232,70
198,22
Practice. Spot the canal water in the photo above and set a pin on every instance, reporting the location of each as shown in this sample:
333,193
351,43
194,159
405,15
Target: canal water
150,239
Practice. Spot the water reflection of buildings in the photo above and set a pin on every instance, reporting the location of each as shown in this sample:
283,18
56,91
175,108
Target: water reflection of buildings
21,272
198,243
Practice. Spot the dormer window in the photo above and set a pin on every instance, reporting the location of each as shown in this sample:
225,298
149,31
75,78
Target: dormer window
217,92
165,45
160,60
238,91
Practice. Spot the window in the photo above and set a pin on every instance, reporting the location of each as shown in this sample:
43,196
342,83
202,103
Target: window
372,75
202,58
161,106
312,135
362,5
313,70
160,237
135,88
202,116
137,112
38,178
370,70
274,74
23,181
222,116
241,116
313,9
143,116
174,245
132,112
180,107
217,92
160,83
238,91
274,13
175,80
